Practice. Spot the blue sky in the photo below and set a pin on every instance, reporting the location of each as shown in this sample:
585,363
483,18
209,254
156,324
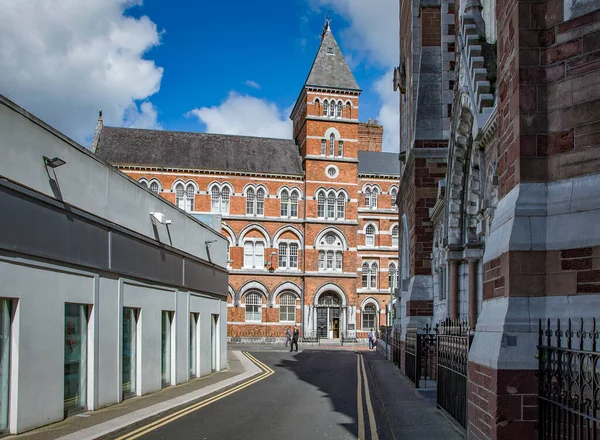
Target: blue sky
231,67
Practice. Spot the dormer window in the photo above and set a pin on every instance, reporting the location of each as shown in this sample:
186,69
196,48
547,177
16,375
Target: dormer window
330,51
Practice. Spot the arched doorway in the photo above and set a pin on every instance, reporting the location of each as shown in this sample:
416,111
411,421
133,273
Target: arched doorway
329,309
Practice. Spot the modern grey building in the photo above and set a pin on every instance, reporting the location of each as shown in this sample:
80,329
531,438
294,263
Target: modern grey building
106,289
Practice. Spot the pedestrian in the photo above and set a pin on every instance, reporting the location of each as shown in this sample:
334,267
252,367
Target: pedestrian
295,337
371,340
288,337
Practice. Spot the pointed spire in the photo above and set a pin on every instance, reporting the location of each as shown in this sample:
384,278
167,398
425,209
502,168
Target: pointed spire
329,68
97,132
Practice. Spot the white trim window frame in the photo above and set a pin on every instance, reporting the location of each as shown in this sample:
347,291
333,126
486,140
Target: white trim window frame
370,235
395,230
331,255
253,303
287,308
369,312
253,248
184,196
220,199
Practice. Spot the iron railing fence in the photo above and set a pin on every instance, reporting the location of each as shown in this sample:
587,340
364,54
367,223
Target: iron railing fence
410,355
426,356
569,382
348,337
311,337
396,347
453,343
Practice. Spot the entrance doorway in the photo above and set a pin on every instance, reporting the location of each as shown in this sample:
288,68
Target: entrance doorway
329,316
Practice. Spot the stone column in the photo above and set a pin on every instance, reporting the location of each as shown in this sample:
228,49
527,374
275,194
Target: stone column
473,265
453,289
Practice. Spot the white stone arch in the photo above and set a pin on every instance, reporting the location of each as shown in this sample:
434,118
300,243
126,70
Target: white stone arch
231,233
374,225
234,299
317,99
348,102
259,228
255,188
392,228
289,190
370,300
371,186
287,287
143,180
288,228
330,287
253,286
154,179
185,184
221,185
333,130
333,230
344,192
391,188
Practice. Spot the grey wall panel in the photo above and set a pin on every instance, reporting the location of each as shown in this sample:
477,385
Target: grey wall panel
33,227
205,278
134,257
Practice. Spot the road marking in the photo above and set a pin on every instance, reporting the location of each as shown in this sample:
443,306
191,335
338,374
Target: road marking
359,402
372,424
185,411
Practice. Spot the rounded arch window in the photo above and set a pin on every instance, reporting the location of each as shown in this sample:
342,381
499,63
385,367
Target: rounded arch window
287,307
370,236
253,307
154,187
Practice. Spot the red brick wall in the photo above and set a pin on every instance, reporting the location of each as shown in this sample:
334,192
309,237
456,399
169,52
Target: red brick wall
370,136
502,404
419,307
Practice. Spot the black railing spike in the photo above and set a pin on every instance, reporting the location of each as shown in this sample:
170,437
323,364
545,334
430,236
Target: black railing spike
540,333
581,334
570,335
558,333
594,334
548,333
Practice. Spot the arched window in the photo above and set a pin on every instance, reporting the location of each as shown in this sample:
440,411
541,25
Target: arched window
325,107
332,109
284,203
184,196
365,275
250,201
180,196
374,194
339,109
219,200
330,253
154,187
340,151
331,205
395,236
370,236
341,205
253,307
287,308
294,204
368,317
323,147
189,193
367,198
373,277
393,195
349,110
321,204
393,276
317,108
260,202
332,144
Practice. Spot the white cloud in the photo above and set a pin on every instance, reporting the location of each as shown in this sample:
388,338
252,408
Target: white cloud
389,113
245,115
252,84
64,60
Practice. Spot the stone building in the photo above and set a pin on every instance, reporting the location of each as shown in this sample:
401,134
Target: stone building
311,221
499,187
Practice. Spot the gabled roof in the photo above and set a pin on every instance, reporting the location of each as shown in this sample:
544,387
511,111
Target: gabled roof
376,162
203,151
329,68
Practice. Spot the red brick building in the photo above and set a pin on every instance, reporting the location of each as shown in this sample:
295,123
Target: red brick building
311,221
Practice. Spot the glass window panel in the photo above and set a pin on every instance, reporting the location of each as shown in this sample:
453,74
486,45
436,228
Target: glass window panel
331,144
214,198
395,236
260,202
259,254
250,202
365,276
338,260
225,200
282,254
5,342
367,198
370,235
248,254
165,352
368,316
339,110
321,204
294,204
253,307
331,205
321,260
374,198
374,270
331,109
323,147
154,187
193,349
325,108
340,148
179,199
129,351
285,198
329,259
341,205
75,377
293,256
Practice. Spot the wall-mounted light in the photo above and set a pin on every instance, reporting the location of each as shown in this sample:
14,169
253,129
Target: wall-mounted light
208,242
53,163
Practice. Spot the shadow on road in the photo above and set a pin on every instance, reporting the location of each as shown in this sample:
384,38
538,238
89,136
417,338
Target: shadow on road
333,372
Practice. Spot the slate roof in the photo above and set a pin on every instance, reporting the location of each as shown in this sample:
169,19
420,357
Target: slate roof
330,70
218,152
375,162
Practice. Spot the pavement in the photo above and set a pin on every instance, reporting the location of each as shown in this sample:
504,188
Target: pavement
293,401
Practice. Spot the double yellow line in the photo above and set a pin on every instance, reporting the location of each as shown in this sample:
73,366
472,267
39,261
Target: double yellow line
362,374
189,409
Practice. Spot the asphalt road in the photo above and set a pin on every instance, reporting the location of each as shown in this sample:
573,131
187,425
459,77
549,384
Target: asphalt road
309,395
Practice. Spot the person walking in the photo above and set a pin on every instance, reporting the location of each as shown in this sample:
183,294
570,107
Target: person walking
371,340
288,337
295,337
